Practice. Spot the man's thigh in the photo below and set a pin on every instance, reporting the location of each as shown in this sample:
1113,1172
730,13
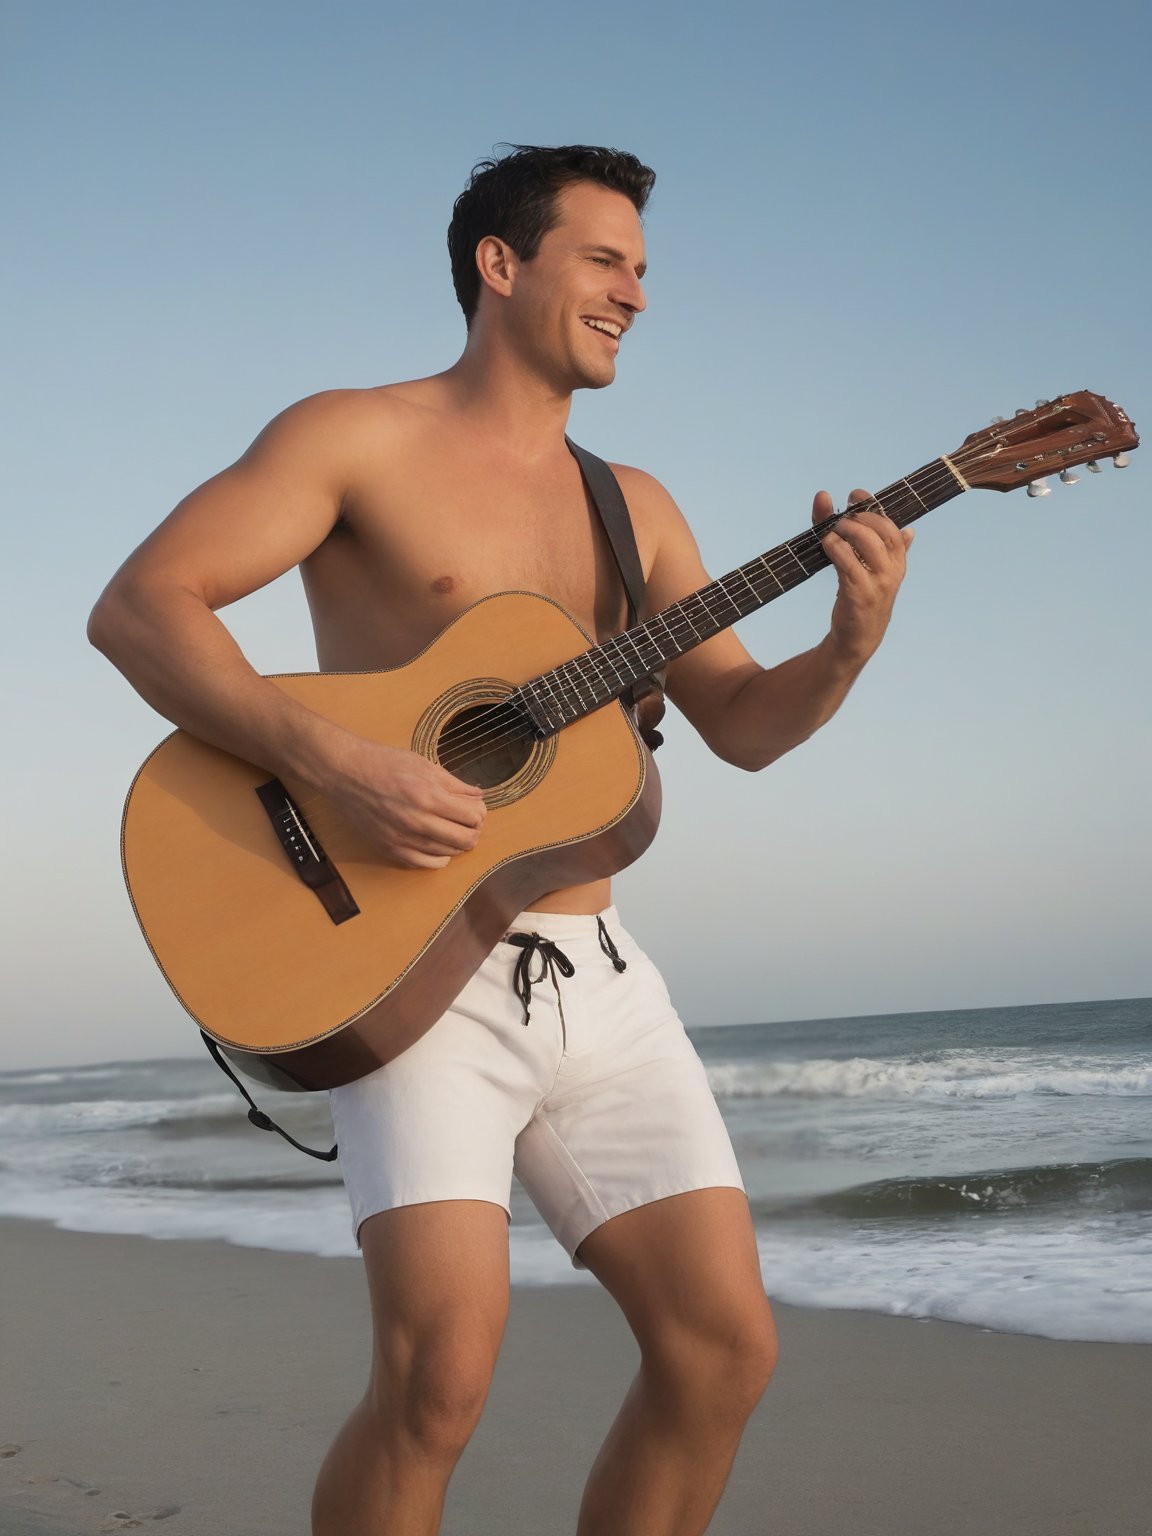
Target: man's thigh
438,1282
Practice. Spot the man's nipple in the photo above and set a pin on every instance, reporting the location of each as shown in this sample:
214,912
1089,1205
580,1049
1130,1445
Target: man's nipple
443,584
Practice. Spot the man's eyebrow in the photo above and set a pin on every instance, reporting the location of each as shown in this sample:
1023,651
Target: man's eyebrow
610,250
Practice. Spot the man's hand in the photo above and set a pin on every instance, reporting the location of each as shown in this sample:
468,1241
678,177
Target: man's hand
415,812
868,551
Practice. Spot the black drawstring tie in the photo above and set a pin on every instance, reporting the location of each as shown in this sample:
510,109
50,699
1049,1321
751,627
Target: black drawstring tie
609,948
551,961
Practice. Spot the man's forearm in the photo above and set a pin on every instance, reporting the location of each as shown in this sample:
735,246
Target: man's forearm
181,659
777,709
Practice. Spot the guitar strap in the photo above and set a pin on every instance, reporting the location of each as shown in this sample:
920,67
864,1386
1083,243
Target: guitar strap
646,698
257,1117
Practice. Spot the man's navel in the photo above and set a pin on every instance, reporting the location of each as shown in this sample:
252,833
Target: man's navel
443,584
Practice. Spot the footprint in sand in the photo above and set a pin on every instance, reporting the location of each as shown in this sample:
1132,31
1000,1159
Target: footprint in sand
10,1450
120,1520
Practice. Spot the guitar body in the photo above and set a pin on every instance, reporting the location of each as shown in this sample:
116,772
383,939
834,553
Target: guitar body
305,1001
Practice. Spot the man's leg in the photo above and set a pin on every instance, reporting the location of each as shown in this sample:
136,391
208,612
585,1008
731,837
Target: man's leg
438,1282
686,1274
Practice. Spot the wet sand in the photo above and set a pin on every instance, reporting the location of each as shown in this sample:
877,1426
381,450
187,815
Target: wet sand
192,1388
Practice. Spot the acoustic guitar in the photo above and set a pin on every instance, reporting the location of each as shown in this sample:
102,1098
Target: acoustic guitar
310,959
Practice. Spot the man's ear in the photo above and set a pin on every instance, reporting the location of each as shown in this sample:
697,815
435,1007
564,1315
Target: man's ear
496,263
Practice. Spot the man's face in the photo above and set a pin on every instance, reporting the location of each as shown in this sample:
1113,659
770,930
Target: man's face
572,303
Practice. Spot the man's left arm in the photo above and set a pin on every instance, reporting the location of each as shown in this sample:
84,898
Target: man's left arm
750,715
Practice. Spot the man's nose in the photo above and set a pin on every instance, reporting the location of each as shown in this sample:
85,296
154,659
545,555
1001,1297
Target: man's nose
629,295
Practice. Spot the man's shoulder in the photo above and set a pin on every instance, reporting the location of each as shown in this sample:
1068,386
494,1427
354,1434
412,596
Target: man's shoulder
347,411
646,496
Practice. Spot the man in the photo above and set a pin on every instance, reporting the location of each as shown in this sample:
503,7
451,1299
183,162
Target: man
402,505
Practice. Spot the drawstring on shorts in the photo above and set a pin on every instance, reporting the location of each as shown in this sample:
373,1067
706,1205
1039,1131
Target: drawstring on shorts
552,959
609,948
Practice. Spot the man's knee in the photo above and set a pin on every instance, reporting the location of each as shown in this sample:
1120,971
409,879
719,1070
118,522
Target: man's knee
432,1401
724,1364
759,1348
746,1352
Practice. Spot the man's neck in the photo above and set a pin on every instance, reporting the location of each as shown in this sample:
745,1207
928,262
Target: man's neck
509,403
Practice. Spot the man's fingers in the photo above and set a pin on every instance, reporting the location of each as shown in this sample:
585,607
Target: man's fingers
435,835
412,858
448,780
872,544
848,563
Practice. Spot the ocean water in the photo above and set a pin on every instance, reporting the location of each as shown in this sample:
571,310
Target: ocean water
992,1167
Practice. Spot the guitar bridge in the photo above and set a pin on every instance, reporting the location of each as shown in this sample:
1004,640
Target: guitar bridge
305,854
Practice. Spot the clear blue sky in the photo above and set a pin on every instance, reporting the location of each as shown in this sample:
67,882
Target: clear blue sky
874,228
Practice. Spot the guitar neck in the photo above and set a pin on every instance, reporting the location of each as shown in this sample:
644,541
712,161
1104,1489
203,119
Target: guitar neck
599,675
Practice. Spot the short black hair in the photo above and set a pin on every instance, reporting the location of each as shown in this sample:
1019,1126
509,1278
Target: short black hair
514,198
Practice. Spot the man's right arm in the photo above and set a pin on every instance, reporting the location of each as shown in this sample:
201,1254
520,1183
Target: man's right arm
156,622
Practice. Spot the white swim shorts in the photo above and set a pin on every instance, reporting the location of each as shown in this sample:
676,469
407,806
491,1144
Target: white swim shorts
599,1103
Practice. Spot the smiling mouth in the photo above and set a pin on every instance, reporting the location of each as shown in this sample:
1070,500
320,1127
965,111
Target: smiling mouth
605,328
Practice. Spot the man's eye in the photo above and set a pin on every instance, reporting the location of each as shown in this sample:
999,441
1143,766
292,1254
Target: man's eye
602,261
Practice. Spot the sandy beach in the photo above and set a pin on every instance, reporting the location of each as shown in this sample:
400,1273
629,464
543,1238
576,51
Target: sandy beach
193,1387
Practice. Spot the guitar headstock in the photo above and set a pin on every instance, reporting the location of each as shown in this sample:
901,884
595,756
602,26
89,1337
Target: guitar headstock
1058,434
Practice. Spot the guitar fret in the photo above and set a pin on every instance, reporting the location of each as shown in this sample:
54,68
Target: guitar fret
602,655
764,561
675,648
628,635
747,582
721,590
912,488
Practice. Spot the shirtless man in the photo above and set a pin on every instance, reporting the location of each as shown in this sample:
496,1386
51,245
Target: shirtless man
402,505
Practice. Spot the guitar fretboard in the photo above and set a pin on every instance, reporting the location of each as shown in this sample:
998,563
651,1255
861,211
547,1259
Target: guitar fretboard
599,675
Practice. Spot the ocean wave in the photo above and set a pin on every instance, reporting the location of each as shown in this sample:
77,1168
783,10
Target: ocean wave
116,1114
1120,1185
1084,1279
34,1079
272,1183
310,1221
960,1074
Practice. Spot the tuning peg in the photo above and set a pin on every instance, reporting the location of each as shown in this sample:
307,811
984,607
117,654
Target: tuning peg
1121,460
1038,488
1069,478
1093,467
1043,402
1020,411
996,420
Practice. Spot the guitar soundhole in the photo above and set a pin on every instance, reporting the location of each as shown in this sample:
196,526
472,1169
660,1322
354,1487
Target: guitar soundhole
476,731
485,746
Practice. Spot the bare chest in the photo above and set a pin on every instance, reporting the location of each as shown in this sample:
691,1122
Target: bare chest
423,543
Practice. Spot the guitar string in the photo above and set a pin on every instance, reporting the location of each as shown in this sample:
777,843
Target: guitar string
462,742
460,745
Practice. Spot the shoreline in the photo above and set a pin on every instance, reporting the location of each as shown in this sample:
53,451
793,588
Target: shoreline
195,1386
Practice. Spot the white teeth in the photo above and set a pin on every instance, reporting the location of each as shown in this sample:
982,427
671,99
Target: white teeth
605,326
